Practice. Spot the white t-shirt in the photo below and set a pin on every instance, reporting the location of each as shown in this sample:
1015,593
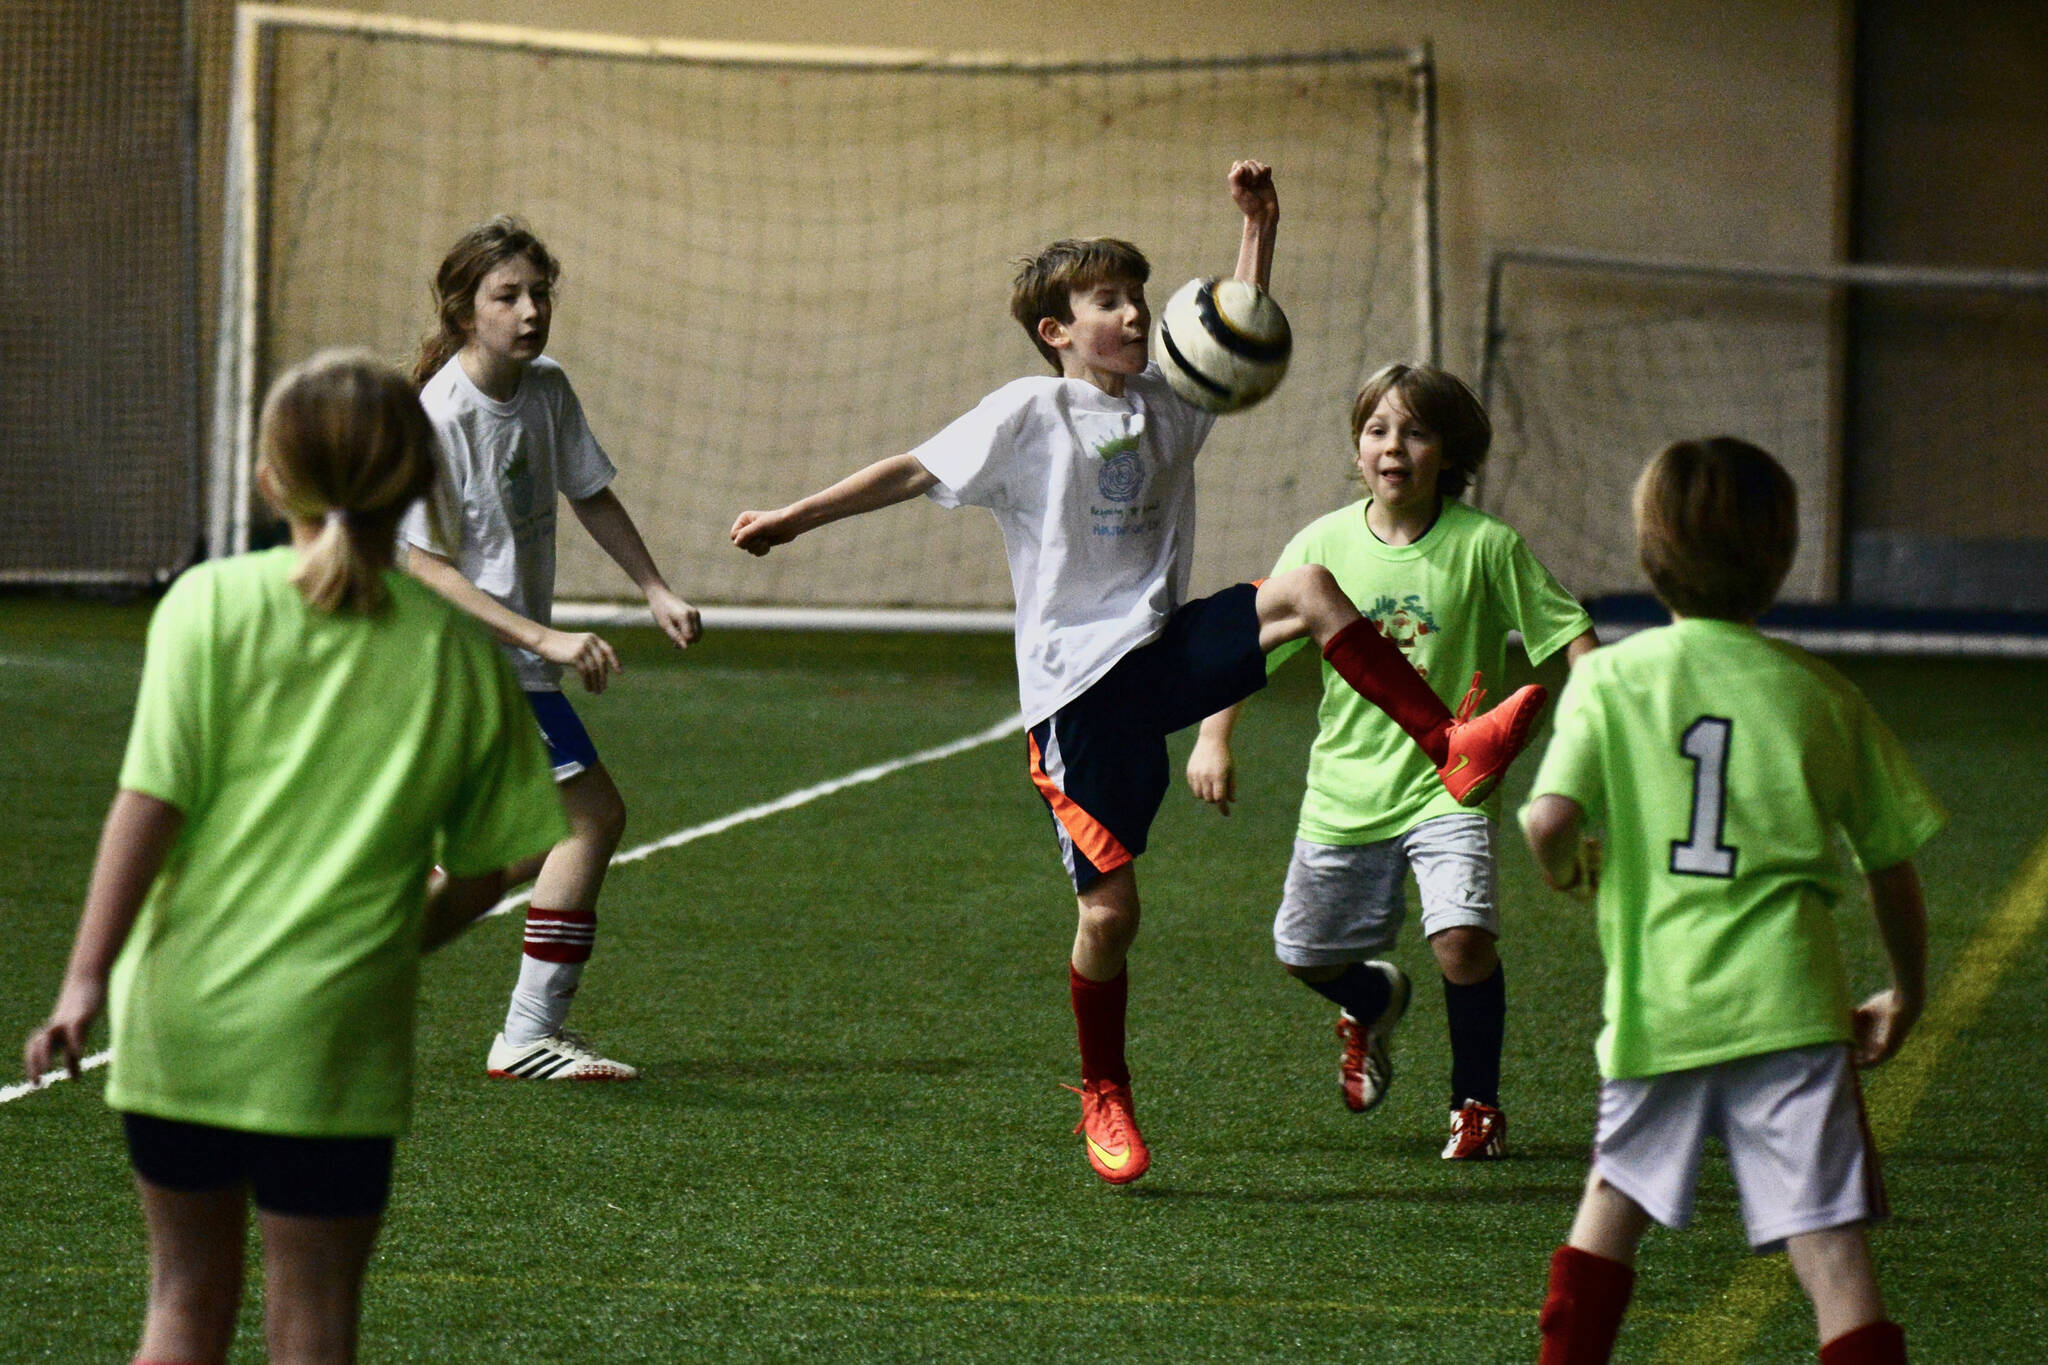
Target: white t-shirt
502,464
1096,498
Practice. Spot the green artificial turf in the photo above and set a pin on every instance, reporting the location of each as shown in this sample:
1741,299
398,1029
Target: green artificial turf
851,1142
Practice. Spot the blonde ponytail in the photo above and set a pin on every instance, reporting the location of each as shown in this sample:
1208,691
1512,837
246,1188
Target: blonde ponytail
347,445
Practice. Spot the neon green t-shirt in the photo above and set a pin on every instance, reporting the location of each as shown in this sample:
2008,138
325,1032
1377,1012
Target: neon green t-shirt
1449,601
1720,766
323,764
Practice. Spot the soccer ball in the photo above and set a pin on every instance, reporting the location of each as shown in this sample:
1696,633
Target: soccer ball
1222,344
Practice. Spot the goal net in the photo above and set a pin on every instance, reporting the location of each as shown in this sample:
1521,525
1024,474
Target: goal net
99,440
780,264
1593,363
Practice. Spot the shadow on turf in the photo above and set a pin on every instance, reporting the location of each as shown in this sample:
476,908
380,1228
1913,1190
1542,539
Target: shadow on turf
780,1068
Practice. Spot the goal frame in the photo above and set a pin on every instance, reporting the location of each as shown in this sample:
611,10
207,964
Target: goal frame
239,339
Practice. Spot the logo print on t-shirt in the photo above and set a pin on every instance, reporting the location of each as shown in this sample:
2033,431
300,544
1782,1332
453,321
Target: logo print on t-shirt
1404,622
519,487
1123,469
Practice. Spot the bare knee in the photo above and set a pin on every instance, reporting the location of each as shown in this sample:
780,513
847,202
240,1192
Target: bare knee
1303,601
596,811
1111,924
1466,955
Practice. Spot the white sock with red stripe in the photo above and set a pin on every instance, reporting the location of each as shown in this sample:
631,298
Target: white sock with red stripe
558,943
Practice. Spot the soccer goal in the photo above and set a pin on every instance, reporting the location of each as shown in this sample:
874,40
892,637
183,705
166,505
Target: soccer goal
780,263
1594,362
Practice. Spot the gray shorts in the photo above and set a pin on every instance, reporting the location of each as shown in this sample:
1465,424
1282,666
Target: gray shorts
1345,902
1793,1124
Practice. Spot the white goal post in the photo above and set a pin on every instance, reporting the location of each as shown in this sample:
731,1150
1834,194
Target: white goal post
782,262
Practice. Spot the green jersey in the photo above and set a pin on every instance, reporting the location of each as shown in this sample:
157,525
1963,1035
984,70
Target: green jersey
323,764
1720,766
1449,601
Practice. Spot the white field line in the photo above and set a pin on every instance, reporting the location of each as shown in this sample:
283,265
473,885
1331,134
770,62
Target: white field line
10,1093
801,797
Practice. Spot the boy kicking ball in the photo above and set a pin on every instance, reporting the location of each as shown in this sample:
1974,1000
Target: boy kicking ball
1721,766
1090,473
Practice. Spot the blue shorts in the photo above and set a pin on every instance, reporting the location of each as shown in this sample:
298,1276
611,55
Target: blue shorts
1099,762
569,746
302,1177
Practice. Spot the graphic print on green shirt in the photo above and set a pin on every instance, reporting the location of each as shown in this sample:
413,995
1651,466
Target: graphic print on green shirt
1449,600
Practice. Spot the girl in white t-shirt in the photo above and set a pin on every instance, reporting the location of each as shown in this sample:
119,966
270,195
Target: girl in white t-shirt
512,436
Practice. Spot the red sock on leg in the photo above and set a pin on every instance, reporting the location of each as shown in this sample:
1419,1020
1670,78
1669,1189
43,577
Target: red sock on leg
1378,671
1874,1343
1582,1312
1099,1008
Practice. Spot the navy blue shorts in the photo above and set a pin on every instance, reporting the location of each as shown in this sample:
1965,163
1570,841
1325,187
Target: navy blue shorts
569,746
1099,762
302,1177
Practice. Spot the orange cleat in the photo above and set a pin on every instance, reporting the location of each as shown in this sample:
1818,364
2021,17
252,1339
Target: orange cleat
1366,1069
1482,747
1109,1129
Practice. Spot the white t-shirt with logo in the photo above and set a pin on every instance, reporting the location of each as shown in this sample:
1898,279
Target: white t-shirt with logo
501,466
1096,498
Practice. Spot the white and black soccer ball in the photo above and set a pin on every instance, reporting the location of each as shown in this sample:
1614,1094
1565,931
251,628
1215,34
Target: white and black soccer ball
1222,344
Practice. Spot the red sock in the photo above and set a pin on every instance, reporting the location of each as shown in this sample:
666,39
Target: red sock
560,935
1582,1312
1099,1016
1378,671
1874,1343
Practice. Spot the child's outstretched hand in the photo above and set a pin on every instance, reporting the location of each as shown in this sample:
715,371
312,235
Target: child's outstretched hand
1211,774
759,532
593,659
678,620
1251,188
1880,1025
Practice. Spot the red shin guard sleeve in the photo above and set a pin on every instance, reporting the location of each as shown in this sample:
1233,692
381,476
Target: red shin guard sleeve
1582,1312
1378,671
1874,1343
560,935
1099,1017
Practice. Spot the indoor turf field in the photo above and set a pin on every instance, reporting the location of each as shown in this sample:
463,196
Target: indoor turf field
851,1142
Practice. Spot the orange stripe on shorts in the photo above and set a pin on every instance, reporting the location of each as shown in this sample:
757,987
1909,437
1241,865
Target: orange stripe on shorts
1090,835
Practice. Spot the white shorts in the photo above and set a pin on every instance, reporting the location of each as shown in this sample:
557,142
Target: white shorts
1793,1124
1345,902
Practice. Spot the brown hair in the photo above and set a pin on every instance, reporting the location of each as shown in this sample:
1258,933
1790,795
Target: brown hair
346,442
1045,283
1443,405
482,249
1717,523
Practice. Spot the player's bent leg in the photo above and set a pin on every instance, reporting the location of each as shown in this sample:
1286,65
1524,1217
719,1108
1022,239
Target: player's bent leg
561,932
1371,998
195,1271
1108,923
313,1272
1475,1014
1835,1270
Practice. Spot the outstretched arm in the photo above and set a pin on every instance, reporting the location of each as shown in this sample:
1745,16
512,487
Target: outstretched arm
1251,188
136,839
882,484
593,659
1882,1022
611,526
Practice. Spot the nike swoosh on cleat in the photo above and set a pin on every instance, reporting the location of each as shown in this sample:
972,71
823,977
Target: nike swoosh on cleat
1459,766
1116,1161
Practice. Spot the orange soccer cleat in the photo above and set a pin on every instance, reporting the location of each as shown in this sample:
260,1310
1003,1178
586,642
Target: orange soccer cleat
1482,747
1109,1129
1479,1132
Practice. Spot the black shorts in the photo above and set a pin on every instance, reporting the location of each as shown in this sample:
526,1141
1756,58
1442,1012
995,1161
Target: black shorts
1099,762
304,1177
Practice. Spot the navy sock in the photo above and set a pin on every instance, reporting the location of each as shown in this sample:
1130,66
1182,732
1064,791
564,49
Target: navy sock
1477,1016
1361,992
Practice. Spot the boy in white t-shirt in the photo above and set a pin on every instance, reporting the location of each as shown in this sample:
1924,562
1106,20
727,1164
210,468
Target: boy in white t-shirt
1091,476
